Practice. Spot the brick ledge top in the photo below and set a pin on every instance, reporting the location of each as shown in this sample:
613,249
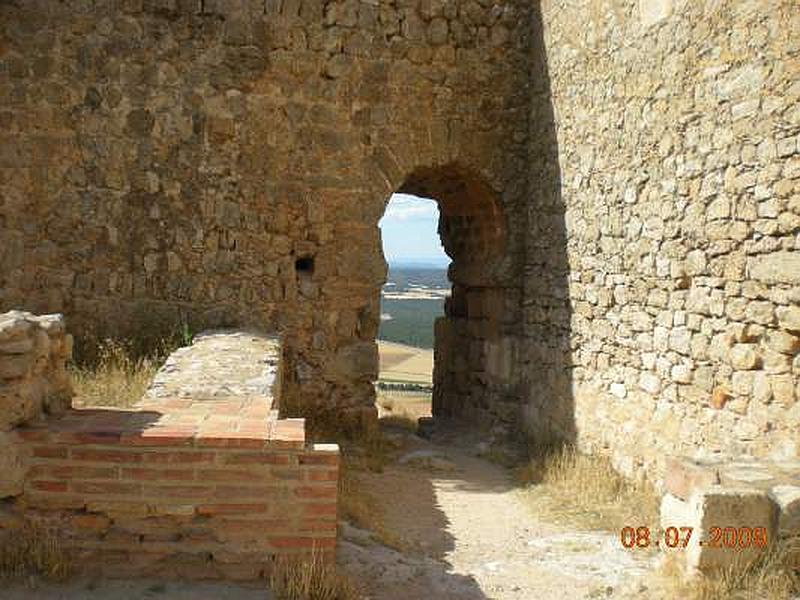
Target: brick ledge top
237,422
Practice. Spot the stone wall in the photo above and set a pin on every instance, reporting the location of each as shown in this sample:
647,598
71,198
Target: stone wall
33,383
227,162
679,184
618,184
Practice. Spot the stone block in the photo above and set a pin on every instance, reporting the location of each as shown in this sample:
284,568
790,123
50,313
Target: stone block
789,318
13,326
777,267
15,366
721,507
719,397
21,346
718,507
675,512
787,497
33,376
783,389
653,11
744,357
650,383
783,342
683,477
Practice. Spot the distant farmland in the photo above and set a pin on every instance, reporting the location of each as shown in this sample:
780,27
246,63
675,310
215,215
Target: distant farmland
415,299
404,364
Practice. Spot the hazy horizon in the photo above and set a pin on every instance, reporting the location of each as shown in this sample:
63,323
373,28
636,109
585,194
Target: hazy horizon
433,263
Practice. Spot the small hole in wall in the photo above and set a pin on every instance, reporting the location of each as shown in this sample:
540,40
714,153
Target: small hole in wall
304,264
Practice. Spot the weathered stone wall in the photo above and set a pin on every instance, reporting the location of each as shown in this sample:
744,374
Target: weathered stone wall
33,382
227,162
679,177
618,183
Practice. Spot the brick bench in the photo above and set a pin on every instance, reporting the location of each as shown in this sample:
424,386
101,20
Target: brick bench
209,486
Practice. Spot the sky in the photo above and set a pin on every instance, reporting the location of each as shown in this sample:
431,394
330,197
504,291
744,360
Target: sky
408,228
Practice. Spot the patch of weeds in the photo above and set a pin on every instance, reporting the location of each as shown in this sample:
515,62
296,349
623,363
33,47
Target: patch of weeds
570,487
157,588
310,578
775,575
406,409
363,447
115,379
33,550
359,507
152,341
111,371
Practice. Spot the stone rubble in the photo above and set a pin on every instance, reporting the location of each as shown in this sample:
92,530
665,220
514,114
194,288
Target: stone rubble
33,383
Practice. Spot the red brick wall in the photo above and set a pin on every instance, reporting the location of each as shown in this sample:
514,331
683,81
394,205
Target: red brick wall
197,512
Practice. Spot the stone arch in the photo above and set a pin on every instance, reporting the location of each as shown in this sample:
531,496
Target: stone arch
471,224
468,352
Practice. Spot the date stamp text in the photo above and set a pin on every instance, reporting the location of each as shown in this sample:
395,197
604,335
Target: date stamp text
731,538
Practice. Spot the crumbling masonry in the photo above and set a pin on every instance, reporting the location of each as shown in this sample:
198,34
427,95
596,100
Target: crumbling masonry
619,184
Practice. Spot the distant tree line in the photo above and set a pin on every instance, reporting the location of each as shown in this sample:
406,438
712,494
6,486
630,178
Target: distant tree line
403,387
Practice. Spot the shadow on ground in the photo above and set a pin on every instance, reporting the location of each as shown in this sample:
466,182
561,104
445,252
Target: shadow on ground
469,531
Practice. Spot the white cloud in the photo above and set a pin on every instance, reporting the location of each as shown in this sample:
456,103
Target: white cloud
404,207
408,230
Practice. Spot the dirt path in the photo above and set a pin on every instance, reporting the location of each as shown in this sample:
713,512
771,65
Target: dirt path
472,534
468,533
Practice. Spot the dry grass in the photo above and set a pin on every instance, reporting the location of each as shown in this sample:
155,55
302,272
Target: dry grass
32,550
774,576
395,413
403,421
361,508
310,578
356,505
578,489
115,378
574,489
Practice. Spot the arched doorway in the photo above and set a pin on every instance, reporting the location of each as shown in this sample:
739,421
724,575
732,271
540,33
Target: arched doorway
473,349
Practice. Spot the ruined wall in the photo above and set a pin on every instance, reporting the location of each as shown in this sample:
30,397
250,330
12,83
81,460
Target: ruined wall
618,183
200,479
33,383
679,184
226,162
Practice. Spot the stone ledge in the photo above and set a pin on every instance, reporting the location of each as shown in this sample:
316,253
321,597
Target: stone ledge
684,476
744,494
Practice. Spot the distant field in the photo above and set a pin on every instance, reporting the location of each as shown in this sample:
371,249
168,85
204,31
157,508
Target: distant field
411,321
406,364
412,300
